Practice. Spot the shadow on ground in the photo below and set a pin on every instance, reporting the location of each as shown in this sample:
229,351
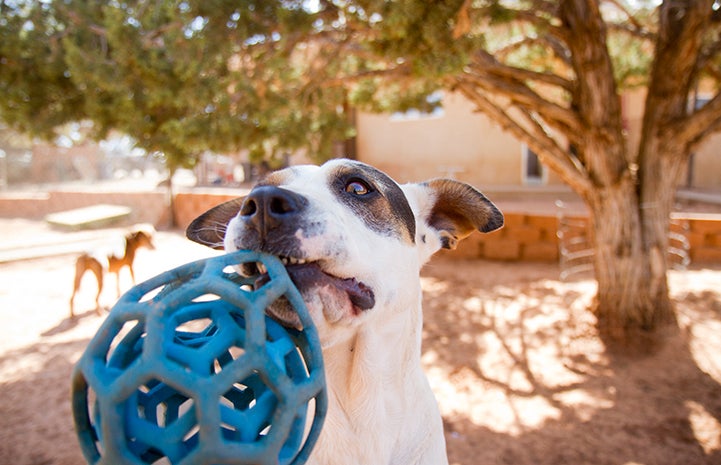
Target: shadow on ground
512,354
523,378
35,409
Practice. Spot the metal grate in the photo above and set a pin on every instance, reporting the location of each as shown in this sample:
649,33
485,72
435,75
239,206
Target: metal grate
576,252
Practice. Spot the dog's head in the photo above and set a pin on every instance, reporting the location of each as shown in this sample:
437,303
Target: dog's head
141,238
352,238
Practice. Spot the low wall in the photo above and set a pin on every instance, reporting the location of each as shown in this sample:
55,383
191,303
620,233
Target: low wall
524,237
147,207
189,205
704,236
532,237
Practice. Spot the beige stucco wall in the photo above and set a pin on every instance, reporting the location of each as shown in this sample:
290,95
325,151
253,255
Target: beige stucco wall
707,158
432,146
707,164
469,146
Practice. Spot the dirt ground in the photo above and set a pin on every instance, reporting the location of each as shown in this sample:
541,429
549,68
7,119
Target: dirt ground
512,354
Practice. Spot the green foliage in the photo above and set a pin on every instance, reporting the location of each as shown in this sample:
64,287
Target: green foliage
181,77
37,92
275,76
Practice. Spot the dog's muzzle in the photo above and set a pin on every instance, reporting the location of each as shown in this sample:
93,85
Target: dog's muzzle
268,209
271,216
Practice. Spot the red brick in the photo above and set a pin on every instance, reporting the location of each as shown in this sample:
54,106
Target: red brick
502,249
696,239
705,226
706,255
524,234
540,252
469,247
547,223
714,240
512,220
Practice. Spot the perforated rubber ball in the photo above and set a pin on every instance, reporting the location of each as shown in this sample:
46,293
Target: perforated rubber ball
188,369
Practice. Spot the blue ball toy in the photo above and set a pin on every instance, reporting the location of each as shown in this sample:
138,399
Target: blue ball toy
188,370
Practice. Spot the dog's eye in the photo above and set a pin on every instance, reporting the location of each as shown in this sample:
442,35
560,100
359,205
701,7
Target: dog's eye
357,187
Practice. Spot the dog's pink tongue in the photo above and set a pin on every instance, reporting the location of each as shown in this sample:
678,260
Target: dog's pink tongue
307,276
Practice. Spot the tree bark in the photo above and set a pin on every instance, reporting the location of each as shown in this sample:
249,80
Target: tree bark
173,216
630,263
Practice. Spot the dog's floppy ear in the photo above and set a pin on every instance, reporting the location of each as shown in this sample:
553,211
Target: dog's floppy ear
458,210
209,228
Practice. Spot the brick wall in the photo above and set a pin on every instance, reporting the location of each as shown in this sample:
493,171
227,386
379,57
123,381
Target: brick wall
532,237
189,206
524,237
704,236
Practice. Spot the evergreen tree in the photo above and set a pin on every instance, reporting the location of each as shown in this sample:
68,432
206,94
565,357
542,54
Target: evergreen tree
276,76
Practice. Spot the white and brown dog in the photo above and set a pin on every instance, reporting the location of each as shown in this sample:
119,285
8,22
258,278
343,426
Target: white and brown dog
354,242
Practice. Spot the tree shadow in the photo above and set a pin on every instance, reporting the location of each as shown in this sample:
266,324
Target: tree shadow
36,422
523,377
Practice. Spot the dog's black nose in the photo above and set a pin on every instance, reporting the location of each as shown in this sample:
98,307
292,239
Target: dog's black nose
269,207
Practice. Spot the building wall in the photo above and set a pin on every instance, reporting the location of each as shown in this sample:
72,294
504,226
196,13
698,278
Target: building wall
706,164
57,164
146,207
467,145
457,142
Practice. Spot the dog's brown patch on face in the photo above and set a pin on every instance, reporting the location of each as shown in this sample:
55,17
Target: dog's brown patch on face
375,198
278,178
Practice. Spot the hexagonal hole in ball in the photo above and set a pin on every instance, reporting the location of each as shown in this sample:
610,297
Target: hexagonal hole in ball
204,337
246,410
161,422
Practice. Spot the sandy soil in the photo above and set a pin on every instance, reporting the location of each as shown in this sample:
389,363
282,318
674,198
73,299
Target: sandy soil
520,373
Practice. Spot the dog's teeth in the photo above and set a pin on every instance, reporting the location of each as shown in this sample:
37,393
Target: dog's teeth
292,261
262,268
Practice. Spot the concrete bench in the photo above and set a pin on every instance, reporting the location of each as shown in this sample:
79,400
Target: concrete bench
96,216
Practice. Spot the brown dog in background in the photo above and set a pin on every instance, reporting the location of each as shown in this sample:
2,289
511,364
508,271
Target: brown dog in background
113,263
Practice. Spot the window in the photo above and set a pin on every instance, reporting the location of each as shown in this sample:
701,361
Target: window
533,171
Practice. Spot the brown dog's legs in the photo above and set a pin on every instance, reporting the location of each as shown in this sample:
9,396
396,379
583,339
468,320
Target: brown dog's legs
79,271
84,263
97,269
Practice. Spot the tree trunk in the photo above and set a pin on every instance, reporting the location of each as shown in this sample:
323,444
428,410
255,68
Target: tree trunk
630,194
172,217
631,240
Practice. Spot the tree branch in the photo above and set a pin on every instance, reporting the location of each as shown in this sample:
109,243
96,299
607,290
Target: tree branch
638,33
488,63
546,41
531,16
501,81
585,37
636,28
707,54
680,41
396,72
703,122
78,21
534,135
